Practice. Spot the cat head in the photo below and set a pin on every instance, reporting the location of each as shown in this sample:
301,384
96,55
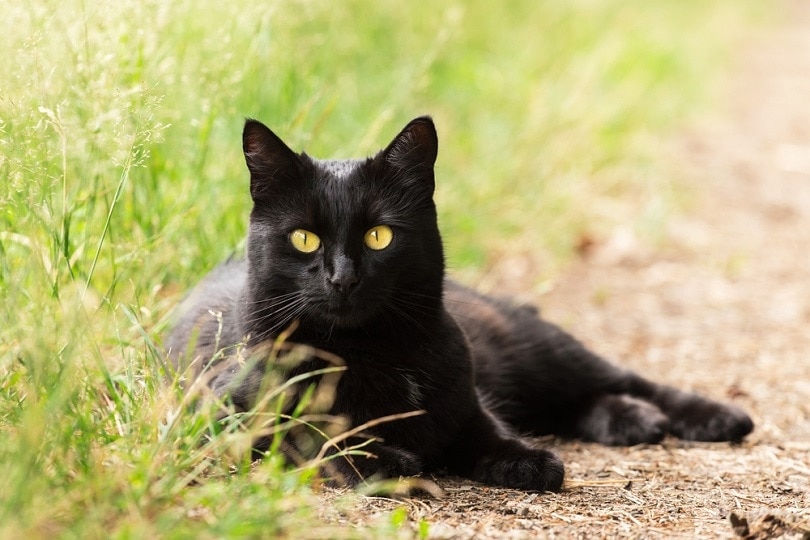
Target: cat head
343,243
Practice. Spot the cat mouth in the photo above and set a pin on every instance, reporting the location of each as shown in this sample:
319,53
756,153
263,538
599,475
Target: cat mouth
342,311
350,310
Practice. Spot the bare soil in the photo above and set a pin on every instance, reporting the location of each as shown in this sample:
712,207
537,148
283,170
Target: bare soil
721,307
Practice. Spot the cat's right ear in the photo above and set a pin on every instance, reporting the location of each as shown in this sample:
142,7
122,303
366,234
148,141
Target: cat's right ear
271,162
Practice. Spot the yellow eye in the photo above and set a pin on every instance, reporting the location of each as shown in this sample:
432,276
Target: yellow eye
304,241
379,237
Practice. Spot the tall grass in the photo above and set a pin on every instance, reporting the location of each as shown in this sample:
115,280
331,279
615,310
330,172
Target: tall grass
121,183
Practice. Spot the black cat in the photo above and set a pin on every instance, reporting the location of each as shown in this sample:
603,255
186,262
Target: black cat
348,255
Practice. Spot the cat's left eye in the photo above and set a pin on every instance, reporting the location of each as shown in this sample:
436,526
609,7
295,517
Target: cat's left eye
379,237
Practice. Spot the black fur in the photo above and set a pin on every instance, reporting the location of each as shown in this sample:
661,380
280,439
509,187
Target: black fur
481,368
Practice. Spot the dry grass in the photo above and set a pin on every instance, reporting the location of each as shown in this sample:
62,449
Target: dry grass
668,491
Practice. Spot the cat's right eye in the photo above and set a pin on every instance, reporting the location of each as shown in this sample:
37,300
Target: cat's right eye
304,241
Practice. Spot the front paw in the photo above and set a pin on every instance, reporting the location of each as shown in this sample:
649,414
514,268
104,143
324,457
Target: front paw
709,421
382,462
522,468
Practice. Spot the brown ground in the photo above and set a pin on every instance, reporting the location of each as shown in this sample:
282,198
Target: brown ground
723,308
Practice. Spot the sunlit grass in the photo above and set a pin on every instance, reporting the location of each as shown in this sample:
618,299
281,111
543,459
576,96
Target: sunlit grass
122,182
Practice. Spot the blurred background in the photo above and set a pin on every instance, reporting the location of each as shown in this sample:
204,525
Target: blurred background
122,180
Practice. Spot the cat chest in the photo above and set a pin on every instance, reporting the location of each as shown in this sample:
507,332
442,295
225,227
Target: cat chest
368,392
393,377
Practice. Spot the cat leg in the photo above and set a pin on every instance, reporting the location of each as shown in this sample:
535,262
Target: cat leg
542,380
378,461
696,418
485,452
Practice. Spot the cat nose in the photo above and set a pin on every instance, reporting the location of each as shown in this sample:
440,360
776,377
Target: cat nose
343,277
343,281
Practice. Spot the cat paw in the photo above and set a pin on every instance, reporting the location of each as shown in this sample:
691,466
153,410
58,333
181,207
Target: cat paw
526,468
621,420
383,462
704,420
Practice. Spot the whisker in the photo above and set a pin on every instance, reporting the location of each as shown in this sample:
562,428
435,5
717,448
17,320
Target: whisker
280,311
268,305
281,316
274,297
275,329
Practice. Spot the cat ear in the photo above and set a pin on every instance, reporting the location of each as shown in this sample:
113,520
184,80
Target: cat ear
415,148
269,160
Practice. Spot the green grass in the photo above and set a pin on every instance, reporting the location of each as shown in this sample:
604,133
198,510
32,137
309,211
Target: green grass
122,182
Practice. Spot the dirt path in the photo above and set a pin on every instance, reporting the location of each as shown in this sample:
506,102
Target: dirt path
723,308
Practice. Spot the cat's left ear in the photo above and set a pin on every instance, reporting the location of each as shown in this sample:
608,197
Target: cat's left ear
414,150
